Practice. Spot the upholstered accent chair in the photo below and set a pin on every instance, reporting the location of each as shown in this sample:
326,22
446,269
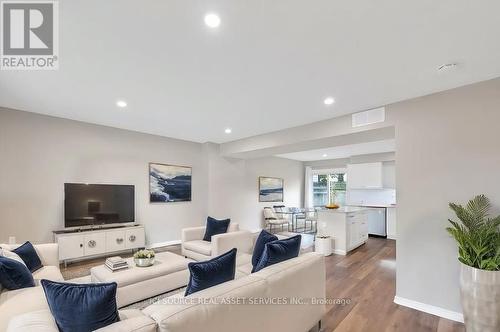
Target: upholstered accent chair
194,247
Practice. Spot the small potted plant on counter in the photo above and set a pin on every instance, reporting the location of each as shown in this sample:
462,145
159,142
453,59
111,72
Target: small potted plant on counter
478,239
144,258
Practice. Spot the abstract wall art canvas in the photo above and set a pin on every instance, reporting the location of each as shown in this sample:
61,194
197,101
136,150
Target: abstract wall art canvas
169,183
270,189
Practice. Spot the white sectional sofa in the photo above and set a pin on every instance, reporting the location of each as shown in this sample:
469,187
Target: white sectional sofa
15,302
301,278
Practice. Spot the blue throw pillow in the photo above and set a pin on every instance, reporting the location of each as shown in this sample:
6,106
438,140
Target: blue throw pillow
81,308
212,272
215,227
28,254
258,249
14,275
279,251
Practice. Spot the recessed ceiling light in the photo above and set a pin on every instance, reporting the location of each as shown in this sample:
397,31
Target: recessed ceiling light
228,130
212,20
121,103
447,67
328,101
325,155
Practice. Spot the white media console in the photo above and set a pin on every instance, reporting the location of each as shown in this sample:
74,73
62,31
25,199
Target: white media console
86,243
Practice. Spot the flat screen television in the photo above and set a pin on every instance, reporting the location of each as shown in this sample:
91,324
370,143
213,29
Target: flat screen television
98,204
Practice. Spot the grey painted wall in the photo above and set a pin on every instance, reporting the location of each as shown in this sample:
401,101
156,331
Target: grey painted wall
40,153
447,150
234,185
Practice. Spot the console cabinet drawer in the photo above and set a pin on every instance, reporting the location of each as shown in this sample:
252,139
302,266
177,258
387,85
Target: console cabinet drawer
94,244
70,247
115,240
74,245
134,238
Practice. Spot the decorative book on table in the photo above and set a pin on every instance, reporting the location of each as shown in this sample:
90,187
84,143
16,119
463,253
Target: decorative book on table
116,263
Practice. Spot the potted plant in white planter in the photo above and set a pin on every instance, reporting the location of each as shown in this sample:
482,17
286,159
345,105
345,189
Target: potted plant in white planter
478,239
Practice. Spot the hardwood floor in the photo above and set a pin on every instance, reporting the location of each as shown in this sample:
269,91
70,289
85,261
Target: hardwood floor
367,277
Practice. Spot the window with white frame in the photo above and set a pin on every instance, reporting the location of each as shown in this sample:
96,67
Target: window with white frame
329,186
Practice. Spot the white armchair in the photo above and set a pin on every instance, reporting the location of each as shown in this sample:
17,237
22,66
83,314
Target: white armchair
194,247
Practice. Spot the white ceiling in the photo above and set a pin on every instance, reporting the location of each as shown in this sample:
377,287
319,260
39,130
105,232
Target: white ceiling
267,67
344,151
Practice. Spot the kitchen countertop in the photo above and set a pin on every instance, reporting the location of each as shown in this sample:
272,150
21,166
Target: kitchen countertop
376,206
345,209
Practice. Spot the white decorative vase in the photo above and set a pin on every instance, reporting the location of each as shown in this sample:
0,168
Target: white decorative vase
480,293
144,262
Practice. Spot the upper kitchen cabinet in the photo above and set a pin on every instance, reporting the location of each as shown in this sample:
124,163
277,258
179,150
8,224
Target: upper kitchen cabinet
365,176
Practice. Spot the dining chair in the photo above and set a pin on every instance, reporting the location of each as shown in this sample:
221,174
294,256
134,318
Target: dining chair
279,210
273,219
312,217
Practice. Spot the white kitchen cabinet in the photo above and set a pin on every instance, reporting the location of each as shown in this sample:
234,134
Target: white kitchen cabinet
357,228
347,226
391,223
364,176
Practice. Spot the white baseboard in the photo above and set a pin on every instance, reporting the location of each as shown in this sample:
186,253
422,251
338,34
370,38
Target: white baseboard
339,252
430,309
391,236
164,244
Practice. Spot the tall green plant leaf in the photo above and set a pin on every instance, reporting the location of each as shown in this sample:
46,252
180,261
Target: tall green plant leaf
477,236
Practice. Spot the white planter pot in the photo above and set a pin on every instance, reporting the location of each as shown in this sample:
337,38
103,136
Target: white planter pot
323,246
480,293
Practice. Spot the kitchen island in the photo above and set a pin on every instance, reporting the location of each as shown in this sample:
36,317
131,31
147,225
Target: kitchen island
347,226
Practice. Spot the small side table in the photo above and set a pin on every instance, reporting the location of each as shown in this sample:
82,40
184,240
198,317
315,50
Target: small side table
323,245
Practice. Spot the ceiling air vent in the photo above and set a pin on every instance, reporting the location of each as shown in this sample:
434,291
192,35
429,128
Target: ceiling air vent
368,117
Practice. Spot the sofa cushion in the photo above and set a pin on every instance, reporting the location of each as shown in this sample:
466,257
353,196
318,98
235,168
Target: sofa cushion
40,321
258,249
48,272
215,227
212,272
279,251
243,259
245,269
28,254
132,320
14,275
11,255
4,251
43,321
200,246
194,316
81,308
19,301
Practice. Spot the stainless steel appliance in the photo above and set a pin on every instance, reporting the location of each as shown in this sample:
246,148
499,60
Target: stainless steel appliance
377,221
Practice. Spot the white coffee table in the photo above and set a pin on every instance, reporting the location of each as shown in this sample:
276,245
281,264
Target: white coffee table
169,272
